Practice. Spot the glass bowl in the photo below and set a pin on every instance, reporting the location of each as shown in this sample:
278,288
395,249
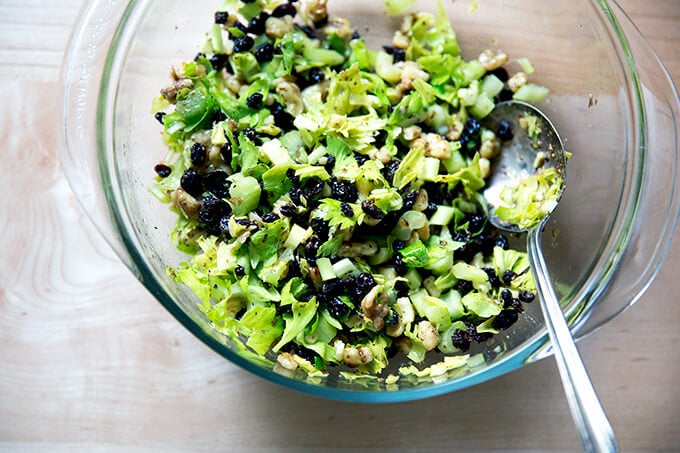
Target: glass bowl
611,99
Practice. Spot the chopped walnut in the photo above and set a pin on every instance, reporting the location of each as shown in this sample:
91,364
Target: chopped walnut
358,249
410,71
428,334
375,311
354,357
291,94
313,11
185,203
491,60
170,92
517,81
277,27
491,146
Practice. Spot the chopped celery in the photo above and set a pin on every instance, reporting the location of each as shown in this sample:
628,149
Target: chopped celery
531,93
396,7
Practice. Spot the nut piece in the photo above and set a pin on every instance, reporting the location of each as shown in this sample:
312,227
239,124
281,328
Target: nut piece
339,26
375,311
358,249
491,60
484,167
410,71
400,40
491,146
287,361
170,92
314,11
428,334
354,357
291,94
185,203
517,81
277,27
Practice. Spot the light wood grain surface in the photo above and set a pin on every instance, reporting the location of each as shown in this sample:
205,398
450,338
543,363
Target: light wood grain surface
89,360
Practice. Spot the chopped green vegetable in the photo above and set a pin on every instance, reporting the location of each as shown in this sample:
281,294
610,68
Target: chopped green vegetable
532,200
328,199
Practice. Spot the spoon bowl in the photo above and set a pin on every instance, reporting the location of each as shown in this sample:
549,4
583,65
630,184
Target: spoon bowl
522,155
531,146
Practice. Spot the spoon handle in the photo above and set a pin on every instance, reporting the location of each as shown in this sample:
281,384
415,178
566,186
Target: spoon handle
591,422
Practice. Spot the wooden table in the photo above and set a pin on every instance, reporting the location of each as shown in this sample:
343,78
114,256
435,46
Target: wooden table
88,359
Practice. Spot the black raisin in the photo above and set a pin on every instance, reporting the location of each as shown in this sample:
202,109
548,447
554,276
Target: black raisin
243,43
397,53
336,307
282,118
307,30
390,169
343,190
369,207
330,163
399,266
250,134
285,9
463,286
191,182
526,296
504,130
213,209
316,75
239,271
159,116
319,226
505,319
392,318
502,242
256,25
254,101
162,170
270,217
365,282
219,61
360,158
461,339
264,53
223,225
296,195
332,287
505,94
501,73
243,28
312,246
506,298
346,209
493,278
313,186
221,17
431,209
472,127
216,182
508,276
288,210
476,222
198,154
410,200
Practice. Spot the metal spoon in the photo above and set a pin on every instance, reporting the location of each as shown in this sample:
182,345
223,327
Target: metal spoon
517,160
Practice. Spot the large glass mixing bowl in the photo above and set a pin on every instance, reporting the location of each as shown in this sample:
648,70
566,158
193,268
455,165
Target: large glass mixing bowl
611,99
